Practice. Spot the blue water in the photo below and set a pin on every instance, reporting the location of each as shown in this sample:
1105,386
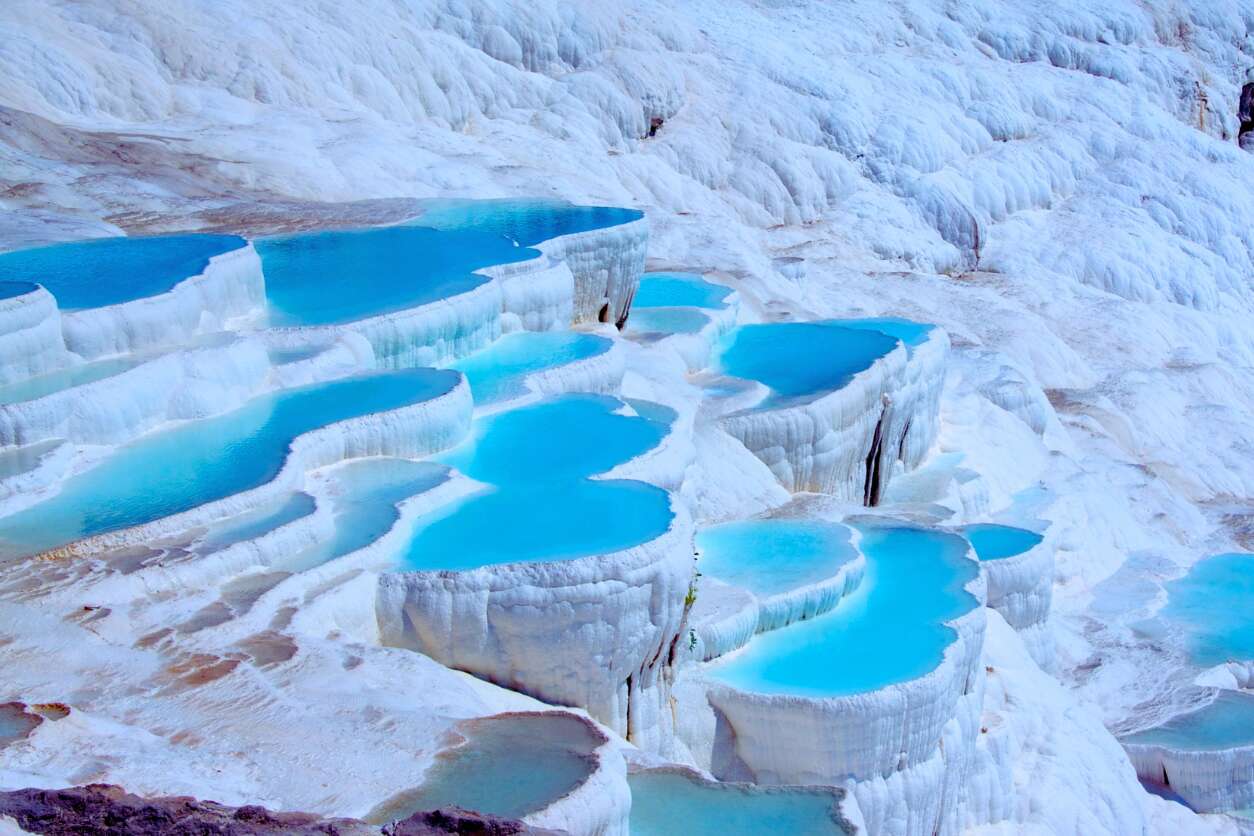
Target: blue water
325,278
107,271
1226,722
281,356
15,723
666,803
498,372
560,439
672,290
768,557
527,221
509,766
9,290
84,373
1214,607
801,359
178,469
666,320
341,276
994,542
555,521
907,330
890,630
253,524
367,492
660,414
539,504
15,461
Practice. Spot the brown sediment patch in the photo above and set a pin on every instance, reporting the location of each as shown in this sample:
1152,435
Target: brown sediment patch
201,669
268,648
151,639
210,615
16,723
51,710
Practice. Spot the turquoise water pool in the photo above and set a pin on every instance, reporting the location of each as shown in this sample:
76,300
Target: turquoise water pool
1213,605
911,333
335,277
560,439
108,271
366,493
255,523
768,557
69,377
674,290
556,521
498,372
15,461
994,542
665,803
1224,723
178,469
15,723
800,360
890,630
666,320
508,766
526,221
539,503
10,290
325,278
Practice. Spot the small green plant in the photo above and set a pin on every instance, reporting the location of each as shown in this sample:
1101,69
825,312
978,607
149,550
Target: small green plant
691,597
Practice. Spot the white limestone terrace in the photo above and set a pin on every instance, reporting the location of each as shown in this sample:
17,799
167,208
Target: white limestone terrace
579,556
1018,565
1206,756
114,400
761,575
282,675
1079,156
527,365
685,311
457,276
847,402
121,295
133,294
867,692
196,472
439,291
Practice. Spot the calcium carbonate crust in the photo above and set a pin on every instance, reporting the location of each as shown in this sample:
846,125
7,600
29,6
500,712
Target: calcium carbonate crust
229,293
31,340
186,384
502,622
824,444
537,294
1020,587
410,431
1210,780
726,617
885,743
